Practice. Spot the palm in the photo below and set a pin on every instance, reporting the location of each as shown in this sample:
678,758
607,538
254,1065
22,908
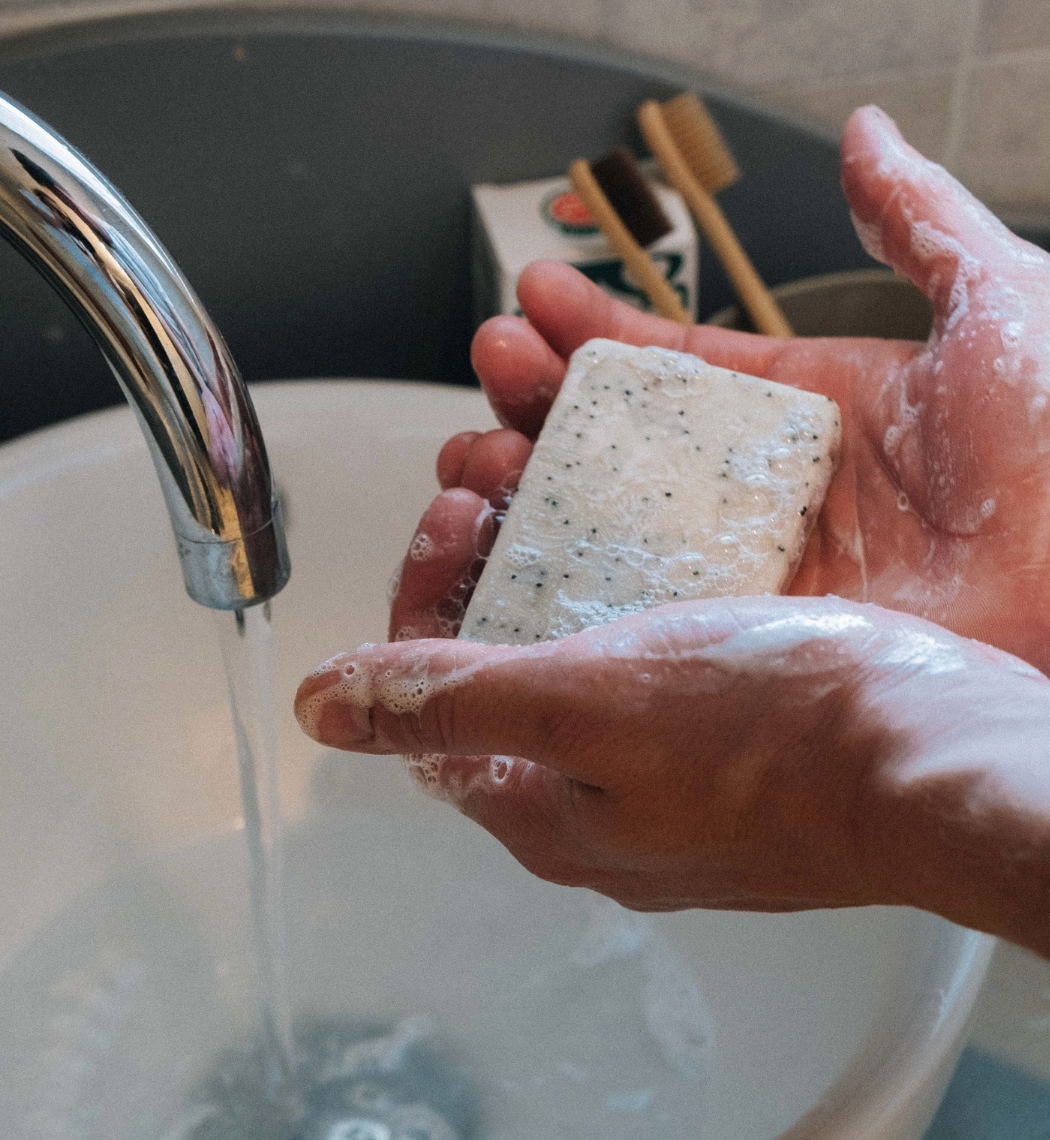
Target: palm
944,480
941,506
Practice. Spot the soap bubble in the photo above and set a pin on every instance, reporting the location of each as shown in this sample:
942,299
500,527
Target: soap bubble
421,548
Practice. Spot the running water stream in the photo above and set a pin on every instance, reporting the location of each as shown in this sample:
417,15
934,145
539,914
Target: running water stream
247,652
321,1086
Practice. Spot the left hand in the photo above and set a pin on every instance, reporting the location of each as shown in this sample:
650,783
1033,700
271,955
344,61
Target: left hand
941,505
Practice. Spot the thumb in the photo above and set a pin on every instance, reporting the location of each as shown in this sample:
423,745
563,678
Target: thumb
911,214
458,698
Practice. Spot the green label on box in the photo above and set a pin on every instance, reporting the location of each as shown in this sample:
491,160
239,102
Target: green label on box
610,276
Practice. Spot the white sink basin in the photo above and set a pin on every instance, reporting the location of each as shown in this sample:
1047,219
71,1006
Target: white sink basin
123,899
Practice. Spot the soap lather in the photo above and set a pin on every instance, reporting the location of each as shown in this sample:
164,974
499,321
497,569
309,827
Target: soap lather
657,478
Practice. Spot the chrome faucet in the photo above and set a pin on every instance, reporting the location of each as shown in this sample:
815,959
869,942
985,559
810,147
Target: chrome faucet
169,358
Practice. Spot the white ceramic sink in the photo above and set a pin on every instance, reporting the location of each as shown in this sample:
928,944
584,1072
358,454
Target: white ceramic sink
123,912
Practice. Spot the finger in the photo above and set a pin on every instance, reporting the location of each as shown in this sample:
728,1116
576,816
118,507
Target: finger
913,215
553,702
441,567
829,366
567,309
520,372
451,458
461,698
494,465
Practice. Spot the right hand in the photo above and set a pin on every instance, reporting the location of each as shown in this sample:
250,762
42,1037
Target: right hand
941,506
738,753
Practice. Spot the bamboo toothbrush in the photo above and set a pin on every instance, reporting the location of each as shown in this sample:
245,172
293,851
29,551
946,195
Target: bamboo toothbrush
629,215
692,153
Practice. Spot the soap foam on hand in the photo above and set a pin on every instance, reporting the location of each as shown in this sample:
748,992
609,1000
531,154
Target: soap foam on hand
657,478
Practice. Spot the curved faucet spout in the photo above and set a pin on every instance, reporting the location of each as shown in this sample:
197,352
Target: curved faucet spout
169,358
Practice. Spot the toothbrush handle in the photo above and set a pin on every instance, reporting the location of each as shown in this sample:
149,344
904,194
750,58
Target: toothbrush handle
765,313
664,299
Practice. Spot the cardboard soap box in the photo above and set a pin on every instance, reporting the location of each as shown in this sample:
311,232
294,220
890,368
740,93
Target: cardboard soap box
515,224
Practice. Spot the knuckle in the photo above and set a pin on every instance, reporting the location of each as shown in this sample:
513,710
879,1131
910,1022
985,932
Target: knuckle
410,735
433,727
444,721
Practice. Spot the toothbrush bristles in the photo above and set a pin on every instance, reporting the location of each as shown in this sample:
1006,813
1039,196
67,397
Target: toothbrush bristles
631,196
700,142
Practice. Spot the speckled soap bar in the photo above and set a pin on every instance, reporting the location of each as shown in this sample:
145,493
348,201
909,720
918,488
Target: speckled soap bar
656,478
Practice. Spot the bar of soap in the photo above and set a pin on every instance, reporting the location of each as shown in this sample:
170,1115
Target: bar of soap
657,478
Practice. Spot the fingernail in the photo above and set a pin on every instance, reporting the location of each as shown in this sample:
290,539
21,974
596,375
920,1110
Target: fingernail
342,725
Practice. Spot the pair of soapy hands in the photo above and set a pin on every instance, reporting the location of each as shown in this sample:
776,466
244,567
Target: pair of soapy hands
773,753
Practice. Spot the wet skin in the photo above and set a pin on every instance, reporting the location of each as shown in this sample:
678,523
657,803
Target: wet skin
675,773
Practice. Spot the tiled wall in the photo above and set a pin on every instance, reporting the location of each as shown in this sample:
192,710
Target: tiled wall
968,80
976,97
